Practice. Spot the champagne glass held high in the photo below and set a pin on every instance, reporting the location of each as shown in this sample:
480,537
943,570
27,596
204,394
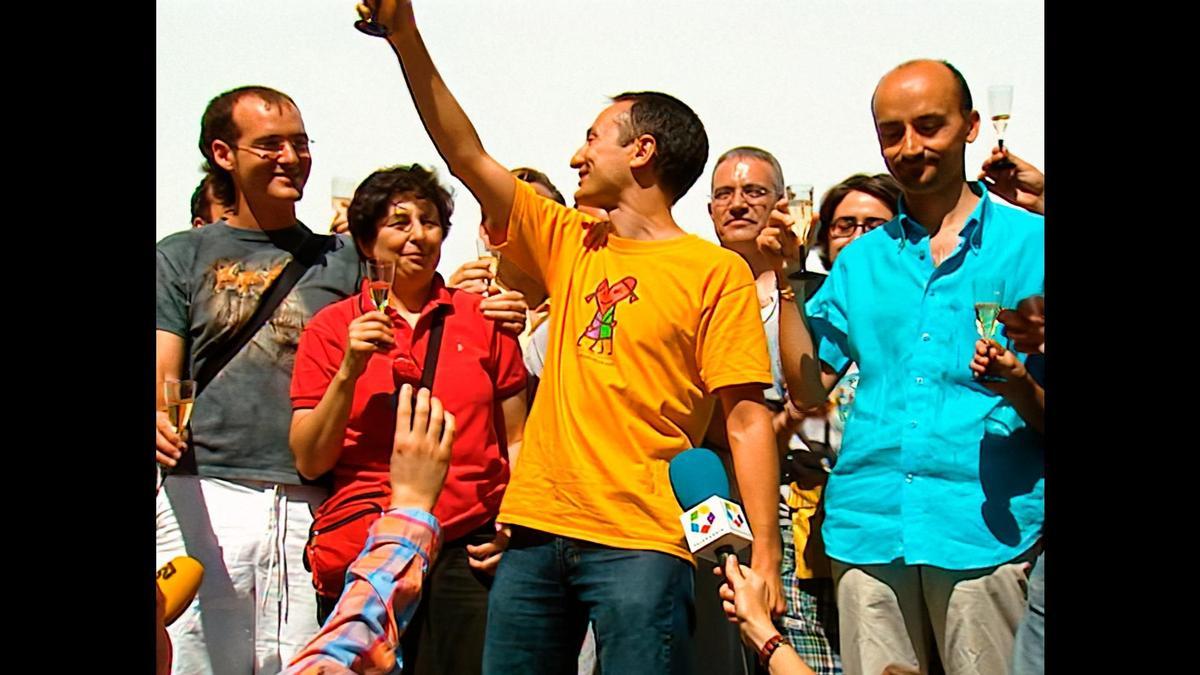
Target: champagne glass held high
1000,108
367,24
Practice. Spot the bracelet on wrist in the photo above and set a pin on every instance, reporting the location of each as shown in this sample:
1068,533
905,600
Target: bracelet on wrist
768,650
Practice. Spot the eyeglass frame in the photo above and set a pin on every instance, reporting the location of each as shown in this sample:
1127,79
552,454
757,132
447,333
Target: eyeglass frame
865,224
302,150
723,199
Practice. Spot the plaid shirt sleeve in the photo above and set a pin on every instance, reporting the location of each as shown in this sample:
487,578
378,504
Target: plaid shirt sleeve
362,633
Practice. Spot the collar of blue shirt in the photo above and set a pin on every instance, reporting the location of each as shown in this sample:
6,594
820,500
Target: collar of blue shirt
904,228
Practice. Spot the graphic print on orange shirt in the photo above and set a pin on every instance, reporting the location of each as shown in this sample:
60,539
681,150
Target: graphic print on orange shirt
600,330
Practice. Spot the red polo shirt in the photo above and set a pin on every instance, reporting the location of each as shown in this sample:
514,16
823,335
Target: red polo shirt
478,367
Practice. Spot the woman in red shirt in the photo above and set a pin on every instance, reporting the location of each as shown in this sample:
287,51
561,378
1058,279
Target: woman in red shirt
350,363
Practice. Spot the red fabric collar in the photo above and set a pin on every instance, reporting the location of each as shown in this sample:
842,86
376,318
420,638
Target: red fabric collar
439,294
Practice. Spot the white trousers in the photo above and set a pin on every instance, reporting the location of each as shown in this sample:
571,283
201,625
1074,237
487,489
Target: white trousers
256,606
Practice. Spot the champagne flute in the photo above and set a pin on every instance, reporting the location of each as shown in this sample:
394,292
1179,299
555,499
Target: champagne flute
486,253
367,23
1000,108
178,397
989,298
380,274
800,208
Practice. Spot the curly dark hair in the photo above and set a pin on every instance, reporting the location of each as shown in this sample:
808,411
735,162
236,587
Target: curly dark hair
374,195
681,140
217,125
880,186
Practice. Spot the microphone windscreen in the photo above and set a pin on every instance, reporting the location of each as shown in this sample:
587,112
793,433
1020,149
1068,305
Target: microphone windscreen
178,580
697,474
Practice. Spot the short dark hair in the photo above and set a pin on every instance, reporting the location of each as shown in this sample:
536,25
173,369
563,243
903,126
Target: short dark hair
217,125
533,176
880,186
682,143
374,195
201,200
754,153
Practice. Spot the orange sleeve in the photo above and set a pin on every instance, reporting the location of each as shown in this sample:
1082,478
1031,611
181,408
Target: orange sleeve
542,234
731,345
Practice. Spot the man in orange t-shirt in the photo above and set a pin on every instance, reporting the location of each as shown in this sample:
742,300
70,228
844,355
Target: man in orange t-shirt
649,329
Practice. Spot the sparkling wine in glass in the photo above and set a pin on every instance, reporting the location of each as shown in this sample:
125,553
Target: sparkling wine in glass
1000,108
989,299
486,253
380,274
800,208
178,397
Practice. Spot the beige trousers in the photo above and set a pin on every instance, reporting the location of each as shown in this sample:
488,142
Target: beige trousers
910,615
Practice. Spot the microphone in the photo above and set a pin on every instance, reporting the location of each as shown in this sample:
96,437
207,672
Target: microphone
178,580
714,526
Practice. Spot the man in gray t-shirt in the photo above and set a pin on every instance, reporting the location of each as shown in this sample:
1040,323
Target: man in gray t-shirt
233,499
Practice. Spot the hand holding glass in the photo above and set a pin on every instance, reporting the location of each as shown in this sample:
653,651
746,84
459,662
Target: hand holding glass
178,397
989,298
800,208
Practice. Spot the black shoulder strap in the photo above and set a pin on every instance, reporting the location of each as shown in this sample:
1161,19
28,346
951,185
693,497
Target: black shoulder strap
308,253
434,348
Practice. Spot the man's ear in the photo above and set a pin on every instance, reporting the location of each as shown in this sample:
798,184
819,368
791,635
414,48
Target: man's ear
644,149
973,120
223,155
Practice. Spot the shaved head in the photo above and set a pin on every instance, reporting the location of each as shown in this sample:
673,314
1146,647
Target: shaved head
933,68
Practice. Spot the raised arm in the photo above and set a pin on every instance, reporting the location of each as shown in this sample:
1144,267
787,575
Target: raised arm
808,381
448,126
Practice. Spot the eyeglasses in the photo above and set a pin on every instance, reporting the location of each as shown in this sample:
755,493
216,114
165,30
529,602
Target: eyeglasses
844,227
272,151
753,194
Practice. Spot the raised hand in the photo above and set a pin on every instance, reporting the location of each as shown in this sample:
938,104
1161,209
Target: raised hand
1026,326
421,449
507,308
1020,185
776,240
993,359
473,276
367,334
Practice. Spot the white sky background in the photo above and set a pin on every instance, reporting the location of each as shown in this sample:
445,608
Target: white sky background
792,76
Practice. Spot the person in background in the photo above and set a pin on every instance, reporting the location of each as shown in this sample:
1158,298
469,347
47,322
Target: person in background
849,210
206,208
341,191
351,358
935,503
386,581
235,501
746,183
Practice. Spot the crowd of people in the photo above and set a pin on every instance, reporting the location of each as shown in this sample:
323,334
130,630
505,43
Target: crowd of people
469,475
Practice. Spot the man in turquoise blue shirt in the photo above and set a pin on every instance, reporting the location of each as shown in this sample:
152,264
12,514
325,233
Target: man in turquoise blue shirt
935,503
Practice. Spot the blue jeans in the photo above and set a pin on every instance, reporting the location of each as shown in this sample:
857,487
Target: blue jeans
1029,650
547,588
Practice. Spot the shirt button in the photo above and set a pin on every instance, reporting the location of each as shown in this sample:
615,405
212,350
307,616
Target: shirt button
921,255
924,337
913,424
908,478
920,380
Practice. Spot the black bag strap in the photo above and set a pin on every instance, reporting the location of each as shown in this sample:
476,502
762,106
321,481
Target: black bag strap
304,257
434,348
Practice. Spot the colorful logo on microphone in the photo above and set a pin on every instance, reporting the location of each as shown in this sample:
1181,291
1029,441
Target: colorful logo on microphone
702,520
734,517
